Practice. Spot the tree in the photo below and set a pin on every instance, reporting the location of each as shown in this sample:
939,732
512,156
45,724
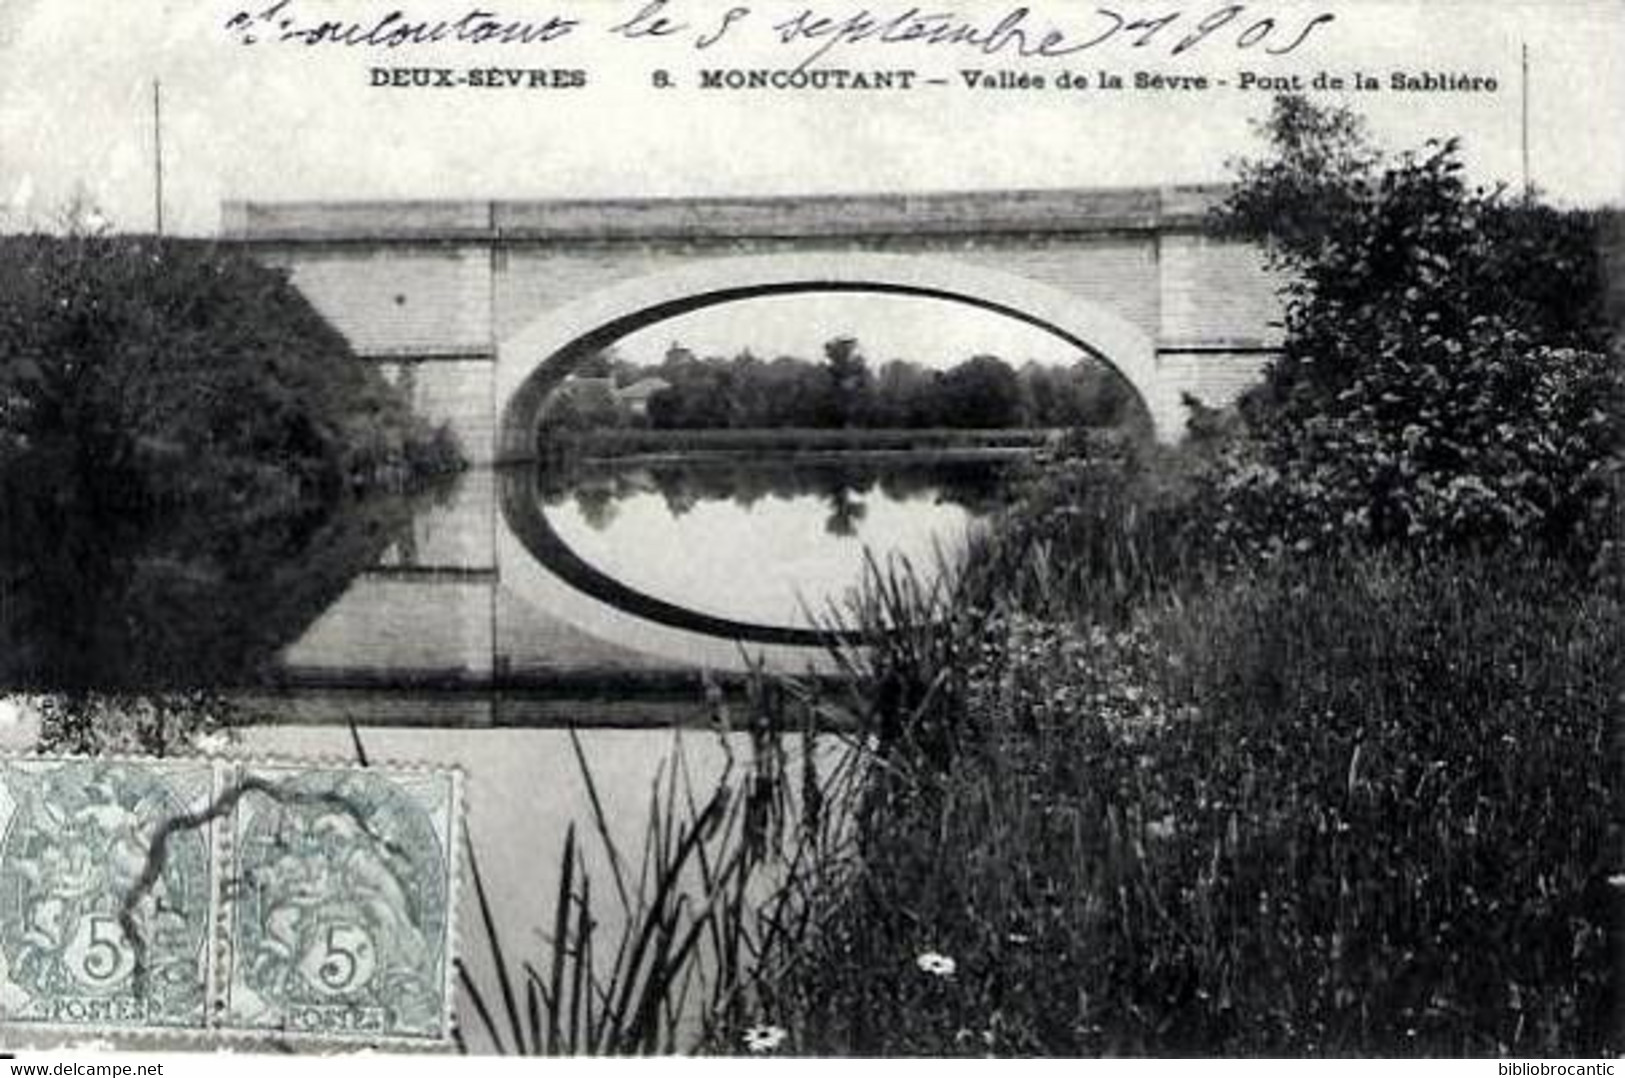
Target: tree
1436,385
982,392
1319,176
906,396
850,381
148,373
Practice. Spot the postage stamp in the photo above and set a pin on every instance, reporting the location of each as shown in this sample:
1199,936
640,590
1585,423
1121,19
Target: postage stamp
228,898
106,893
341,914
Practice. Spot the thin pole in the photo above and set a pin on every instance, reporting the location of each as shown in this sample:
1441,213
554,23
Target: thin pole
158,155
1528,190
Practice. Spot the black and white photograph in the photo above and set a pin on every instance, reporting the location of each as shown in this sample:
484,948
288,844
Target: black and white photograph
812,529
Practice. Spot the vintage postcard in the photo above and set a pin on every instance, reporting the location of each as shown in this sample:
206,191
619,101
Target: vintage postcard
947,529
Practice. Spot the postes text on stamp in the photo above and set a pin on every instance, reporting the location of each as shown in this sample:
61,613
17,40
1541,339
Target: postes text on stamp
341,913
105,893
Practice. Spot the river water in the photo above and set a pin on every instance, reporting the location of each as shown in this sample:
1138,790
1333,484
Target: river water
482,623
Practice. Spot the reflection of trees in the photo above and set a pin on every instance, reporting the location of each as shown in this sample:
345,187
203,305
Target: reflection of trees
845,514
92,600
595,487
599,505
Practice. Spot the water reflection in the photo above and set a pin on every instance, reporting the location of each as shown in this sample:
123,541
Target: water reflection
598,487
94,596
766,539
602,578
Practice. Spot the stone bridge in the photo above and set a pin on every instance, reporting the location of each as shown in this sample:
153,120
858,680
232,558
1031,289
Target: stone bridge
477,309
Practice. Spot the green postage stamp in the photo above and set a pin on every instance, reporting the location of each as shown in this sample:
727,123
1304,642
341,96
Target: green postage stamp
225,897
105,900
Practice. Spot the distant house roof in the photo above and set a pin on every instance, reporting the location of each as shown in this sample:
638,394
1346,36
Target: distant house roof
642,389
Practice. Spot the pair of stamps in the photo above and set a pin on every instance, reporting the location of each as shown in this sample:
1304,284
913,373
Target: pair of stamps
214,896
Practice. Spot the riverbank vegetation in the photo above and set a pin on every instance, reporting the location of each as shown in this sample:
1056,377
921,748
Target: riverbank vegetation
177,427
1297,739
151,373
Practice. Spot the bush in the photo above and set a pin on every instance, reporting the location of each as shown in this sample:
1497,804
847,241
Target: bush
139,373
1444,380
1447,444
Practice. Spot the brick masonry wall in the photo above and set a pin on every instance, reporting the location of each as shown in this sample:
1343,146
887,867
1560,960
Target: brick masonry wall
397,300
1185,289
1215,293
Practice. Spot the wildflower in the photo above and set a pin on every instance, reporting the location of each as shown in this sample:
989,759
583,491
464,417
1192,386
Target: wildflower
763,1039
211,744
937,965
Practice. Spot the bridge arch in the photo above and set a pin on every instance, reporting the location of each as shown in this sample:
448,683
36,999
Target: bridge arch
536,359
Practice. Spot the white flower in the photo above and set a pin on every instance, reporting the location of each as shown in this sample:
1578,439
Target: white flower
212,744
938,965
17,710
761,1039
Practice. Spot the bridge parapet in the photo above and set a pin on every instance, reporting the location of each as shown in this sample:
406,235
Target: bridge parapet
355,222
955,213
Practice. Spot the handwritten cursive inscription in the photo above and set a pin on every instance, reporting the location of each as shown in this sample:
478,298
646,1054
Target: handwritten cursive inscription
1018,32
282,23
814,32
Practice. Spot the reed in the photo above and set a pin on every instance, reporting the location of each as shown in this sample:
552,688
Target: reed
673,947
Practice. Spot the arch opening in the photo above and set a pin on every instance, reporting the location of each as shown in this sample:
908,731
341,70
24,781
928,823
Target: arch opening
535,361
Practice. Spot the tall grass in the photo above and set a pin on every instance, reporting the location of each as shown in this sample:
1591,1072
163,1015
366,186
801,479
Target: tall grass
1344,806
1104,521
667,954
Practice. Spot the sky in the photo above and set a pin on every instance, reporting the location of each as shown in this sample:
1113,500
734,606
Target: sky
933,333
278,121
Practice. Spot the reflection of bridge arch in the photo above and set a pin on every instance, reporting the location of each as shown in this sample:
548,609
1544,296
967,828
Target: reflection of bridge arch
522,511
537,566
533,361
